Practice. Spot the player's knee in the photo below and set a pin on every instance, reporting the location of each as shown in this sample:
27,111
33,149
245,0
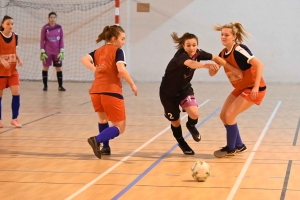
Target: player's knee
175,123
228,117
222,116
121,129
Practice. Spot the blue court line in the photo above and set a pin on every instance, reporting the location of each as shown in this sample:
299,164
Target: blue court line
286,180
129,186
296,134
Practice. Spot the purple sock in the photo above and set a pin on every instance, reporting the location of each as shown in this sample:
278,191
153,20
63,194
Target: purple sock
15,106
101,128
108,134
238,142
232,132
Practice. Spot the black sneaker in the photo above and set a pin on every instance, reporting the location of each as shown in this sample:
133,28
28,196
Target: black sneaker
186,149
95,146
61,88
241,149
224,151
194,132
45,88
105,151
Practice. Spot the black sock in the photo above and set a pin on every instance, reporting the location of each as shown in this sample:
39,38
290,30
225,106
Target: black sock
59,78
177,132
45,77
191,122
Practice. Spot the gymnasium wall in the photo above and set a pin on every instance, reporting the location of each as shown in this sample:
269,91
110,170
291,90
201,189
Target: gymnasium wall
273,25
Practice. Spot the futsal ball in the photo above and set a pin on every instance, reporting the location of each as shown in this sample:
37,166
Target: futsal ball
200,171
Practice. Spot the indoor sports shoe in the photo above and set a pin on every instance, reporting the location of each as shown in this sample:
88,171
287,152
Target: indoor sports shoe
105,151
16,123
224,151
1,125
186,149
61,88
194,132
241,149
45,88
95,146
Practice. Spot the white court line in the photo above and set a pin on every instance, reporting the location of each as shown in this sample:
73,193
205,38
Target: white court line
249,160
124,159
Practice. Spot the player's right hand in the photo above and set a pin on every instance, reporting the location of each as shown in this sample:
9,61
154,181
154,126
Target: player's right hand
5,63
43,56
134,89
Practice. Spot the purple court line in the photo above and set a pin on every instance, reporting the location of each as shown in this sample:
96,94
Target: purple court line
129,186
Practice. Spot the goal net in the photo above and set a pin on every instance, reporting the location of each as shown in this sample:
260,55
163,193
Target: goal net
82,22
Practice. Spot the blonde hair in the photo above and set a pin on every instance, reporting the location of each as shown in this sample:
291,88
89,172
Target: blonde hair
182,39
109,32
237,28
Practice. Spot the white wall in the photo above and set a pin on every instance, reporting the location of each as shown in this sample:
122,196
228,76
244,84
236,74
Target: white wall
273,25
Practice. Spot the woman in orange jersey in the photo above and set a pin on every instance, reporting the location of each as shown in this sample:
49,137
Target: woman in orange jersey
249,89
9,76
108,63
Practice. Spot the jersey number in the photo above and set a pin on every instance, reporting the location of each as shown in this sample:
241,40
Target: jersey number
170,116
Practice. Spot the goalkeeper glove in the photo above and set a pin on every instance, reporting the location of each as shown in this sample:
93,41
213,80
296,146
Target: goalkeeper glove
43,56
61,55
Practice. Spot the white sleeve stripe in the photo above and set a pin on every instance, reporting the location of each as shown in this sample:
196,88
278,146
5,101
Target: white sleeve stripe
120,61
124,56
250,59
91,58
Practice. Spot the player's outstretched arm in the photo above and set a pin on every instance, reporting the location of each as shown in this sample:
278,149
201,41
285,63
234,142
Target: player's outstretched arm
194,64
124,73
88,63
222,62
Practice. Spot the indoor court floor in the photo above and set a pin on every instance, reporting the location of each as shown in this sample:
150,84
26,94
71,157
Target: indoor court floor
49,158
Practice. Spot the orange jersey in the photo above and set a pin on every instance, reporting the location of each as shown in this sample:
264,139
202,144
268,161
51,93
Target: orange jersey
249,75
8,52
107,76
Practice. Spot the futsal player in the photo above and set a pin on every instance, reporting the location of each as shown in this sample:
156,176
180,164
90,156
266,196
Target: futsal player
248,90
9,76
176,89
108,63
52,50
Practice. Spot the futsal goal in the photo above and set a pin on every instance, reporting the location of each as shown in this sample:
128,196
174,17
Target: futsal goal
82,22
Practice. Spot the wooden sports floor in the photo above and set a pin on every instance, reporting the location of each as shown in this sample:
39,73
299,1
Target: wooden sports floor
49,158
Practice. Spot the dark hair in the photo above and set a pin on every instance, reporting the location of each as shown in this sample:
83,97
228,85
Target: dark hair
109,32
182,39
6,17
52,13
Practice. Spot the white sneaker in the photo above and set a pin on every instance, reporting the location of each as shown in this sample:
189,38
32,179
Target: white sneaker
16,123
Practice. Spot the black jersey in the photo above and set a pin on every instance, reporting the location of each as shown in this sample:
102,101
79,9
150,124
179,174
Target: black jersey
178,76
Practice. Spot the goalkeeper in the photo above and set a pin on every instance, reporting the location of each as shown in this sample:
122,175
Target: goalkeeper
52,50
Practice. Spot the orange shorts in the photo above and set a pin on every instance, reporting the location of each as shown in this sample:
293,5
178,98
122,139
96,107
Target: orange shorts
113,107
9,81
246,93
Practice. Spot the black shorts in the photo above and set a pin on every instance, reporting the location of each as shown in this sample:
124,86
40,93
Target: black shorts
171,102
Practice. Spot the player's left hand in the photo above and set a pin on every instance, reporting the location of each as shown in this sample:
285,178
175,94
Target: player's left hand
214,67
254,93
61,55
20,62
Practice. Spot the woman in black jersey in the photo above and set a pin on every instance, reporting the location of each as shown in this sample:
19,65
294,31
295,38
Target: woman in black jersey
176,89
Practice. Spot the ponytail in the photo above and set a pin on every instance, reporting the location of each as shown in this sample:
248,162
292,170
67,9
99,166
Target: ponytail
109,32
